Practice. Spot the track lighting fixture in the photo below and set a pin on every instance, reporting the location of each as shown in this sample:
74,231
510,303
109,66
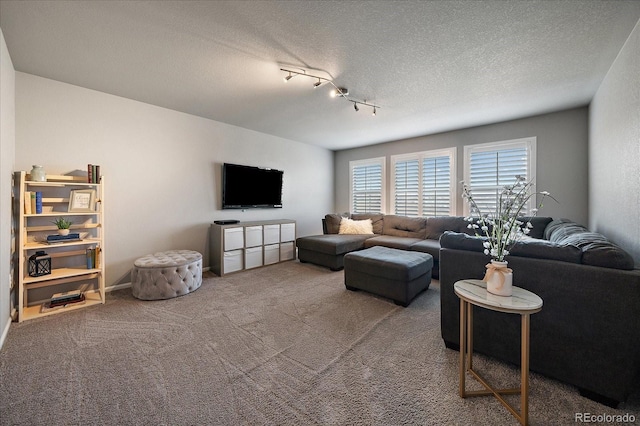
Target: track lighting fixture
337,92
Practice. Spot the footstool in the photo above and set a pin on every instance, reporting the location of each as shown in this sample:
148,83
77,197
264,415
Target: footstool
399,275
165,275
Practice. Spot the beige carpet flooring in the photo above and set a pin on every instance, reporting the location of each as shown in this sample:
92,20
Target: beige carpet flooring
279,345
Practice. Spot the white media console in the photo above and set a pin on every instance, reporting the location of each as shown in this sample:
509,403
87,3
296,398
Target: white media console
245,245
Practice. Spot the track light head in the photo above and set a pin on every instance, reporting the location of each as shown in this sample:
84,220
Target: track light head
288,77
355,106
374,111
316,84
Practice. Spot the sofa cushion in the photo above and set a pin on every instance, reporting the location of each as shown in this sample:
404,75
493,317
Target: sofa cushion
332,222
402,243
543,249
436,226
539,225
460,241
402,226
529,247
557,230
355,227
332,244
376,219
431,247
596,249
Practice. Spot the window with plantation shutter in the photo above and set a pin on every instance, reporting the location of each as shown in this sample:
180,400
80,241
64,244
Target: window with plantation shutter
367,185
489,167
423,183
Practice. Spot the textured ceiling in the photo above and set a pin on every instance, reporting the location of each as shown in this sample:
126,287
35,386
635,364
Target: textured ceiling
432,66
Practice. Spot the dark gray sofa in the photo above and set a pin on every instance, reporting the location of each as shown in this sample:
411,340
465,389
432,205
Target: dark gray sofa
400,232
588,332
405,233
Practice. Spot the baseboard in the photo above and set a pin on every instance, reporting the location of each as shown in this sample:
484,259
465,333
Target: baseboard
117,287
128,285
5,332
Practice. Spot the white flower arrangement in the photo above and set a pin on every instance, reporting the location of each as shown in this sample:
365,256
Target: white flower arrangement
503,227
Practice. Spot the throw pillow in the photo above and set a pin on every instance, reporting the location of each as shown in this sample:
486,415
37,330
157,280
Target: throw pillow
350,226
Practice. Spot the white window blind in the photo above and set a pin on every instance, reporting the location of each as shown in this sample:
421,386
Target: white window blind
437,186
423,183
489,167
407,188
367,184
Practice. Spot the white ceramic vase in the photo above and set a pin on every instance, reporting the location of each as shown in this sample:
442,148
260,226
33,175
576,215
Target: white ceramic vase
38,174
63,232
499,278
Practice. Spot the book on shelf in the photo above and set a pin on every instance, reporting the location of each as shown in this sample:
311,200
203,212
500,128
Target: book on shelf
70,236
38,202
93,257
72,240
67,295
51,305
27,202
93,173
32,195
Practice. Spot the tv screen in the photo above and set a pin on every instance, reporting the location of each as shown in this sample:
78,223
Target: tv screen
250,187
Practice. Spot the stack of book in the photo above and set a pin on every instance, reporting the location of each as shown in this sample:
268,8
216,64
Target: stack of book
61,300
54,239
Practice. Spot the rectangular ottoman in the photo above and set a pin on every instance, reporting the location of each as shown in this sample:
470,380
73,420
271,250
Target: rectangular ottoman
399,275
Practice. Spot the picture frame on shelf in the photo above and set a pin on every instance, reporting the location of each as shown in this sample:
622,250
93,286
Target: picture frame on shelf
82,201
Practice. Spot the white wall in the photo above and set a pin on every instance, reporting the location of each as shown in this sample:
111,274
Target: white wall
162,168
614,149
7,156
562,140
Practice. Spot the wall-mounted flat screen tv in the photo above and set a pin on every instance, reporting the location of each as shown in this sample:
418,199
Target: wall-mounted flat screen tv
246,187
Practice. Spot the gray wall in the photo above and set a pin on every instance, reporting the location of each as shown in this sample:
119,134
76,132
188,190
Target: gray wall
614,149
162,168
7,155
562,161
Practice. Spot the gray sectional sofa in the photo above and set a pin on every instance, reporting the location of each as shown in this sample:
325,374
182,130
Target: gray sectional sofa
399,232
588,332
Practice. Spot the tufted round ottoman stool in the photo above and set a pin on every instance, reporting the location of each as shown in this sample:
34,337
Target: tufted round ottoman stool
166,274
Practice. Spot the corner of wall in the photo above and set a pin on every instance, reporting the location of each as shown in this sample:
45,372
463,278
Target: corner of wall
7,164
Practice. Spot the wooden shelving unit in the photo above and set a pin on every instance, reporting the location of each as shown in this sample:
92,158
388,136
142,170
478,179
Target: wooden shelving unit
69,269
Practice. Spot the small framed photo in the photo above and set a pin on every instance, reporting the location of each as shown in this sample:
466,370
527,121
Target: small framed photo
82,200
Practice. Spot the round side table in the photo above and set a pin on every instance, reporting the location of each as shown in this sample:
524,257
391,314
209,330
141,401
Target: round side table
522,302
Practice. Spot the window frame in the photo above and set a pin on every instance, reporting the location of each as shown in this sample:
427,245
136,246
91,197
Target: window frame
420,157
363,163
529,143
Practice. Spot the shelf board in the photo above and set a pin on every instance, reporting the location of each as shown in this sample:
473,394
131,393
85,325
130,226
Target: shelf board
91,298
53,228
86,241
54,214
60,180
60,273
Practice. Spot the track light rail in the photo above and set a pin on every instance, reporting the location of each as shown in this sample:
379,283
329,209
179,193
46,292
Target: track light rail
340,92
